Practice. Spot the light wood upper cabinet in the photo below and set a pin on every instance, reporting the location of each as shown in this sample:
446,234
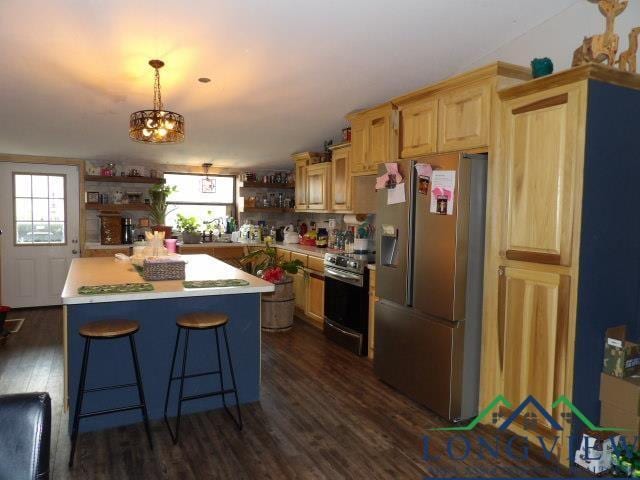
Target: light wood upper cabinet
319,186
341,178
358,145
378,141
533,311
373,139
419,128
540,137
464,117
302,162
301,184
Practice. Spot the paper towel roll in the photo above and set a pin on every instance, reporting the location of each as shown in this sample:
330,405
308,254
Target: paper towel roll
354,219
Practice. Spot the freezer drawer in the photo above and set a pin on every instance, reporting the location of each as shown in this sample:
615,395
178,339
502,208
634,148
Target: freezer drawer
421,357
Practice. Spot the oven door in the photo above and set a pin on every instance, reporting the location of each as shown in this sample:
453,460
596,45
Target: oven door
346,299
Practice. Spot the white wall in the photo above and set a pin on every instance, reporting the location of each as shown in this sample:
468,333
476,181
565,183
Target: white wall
559,36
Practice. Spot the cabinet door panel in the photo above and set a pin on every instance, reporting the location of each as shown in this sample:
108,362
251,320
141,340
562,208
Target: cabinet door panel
358,146
318,187
378,151
464,118
341,179
301,185
300,290
533,335
540,153
419,128
315,298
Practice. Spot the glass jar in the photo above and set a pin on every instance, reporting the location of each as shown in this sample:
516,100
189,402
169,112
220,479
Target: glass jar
322,239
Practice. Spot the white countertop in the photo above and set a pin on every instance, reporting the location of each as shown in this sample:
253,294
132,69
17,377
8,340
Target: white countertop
106,271
221,244
99,246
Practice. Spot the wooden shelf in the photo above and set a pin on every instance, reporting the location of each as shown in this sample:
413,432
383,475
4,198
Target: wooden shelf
268,209
281,186
116,179
119,207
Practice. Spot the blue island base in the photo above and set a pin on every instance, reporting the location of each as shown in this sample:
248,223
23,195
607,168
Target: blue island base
110,361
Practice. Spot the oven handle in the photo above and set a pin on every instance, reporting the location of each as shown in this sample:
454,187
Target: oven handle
344,277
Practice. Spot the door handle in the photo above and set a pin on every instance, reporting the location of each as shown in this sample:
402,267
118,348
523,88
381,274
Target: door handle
74,251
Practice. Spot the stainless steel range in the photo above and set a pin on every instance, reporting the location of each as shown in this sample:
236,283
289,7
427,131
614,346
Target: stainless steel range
346,300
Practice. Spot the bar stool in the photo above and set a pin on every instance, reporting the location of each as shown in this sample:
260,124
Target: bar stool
107,330
201,321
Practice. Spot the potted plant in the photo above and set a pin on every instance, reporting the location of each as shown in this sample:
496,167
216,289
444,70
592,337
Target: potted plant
278,306
189,227
159,208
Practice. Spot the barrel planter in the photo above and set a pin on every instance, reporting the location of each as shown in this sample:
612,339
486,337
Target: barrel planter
278,307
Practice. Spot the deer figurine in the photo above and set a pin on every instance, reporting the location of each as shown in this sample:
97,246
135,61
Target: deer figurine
627,61
602,47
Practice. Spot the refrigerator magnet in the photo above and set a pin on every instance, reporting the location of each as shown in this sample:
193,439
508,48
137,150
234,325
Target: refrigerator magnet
424,172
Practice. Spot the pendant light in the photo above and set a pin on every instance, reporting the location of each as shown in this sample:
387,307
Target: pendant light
208,185
157,126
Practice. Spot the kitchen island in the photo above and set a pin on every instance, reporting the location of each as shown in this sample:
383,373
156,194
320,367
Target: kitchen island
156,311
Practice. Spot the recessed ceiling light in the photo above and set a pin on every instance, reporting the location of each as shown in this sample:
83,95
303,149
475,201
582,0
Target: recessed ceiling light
204,79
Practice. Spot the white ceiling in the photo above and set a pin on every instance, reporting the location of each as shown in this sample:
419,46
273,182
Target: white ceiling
285,72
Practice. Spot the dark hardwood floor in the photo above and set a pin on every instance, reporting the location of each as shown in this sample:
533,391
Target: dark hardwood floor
323,414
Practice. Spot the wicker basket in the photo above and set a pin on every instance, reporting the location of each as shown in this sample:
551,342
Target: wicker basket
153,270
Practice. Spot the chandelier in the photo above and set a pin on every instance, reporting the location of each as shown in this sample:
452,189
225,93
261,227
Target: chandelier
157,125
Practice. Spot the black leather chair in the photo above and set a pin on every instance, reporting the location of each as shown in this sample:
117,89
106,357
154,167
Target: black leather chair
25,436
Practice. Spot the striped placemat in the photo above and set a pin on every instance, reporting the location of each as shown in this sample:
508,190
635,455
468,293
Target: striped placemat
231,282
115,288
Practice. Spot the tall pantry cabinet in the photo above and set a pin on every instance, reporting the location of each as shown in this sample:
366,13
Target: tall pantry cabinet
563,255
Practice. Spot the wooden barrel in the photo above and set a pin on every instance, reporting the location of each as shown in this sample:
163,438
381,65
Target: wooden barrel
278,307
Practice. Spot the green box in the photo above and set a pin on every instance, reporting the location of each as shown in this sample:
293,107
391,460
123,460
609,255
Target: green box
621,357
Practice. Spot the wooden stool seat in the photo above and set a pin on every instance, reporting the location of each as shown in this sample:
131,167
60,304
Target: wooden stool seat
109,328
202,320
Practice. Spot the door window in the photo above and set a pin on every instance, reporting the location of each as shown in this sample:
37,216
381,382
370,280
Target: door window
39,209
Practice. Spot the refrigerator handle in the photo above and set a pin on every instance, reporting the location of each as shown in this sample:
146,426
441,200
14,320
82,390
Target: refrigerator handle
410,236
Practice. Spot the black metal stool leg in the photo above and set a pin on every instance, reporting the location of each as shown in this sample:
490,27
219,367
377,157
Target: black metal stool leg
180,397
143,403
224,401
166,398
79,398
233,378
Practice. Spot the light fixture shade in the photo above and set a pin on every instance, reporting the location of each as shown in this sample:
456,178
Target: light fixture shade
156,126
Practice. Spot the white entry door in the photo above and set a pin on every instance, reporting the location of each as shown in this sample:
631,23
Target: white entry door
39,218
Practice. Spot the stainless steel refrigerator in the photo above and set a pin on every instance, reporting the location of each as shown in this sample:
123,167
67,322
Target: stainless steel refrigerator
429,269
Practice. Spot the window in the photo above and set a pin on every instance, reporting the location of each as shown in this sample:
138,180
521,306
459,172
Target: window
203,197
39,208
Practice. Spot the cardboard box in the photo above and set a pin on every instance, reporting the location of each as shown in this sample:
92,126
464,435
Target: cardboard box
621,357
623,393
627,423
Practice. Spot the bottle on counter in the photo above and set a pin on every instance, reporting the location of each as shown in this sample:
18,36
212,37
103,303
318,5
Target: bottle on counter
127,230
